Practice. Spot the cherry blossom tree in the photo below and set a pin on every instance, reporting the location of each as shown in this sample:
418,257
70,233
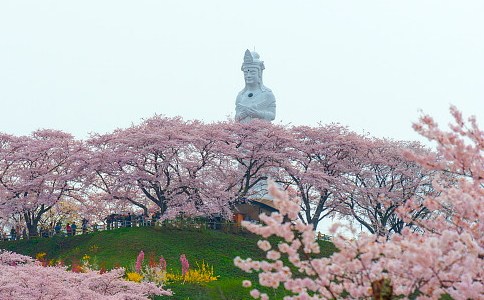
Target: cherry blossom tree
167,161
445,257
106,188
254,151
381,180
316,163
36,172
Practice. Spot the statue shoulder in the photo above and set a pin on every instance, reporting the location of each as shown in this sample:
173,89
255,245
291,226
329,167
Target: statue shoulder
266,89
240,93
267,93
239,96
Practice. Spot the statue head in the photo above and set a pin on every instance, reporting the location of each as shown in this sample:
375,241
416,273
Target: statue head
252,68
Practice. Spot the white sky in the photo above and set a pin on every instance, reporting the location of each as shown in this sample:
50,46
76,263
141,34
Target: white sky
93,66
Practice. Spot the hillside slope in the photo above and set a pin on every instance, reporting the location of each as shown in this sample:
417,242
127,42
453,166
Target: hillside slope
120,248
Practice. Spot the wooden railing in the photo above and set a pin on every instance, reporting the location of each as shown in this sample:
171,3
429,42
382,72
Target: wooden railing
181,224
174,224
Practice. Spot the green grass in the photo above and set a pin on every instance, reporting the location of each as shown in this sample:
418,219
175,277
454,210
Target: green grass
120,248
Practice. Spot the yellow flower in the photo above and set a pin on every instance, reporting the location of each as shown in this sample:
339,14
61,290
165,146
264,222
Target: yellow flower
40,255
133,276
94,248
202,274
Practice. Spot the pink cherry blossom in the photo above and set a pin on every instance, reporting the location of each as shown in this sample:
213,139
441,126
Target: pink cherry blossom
444,254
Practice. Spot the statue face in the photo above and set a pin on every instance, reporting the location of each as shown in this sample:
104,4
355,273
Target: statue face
251,75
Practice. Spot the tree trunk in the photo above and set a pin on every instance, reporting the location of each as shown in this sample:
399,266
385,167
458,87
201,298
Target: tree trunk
31,223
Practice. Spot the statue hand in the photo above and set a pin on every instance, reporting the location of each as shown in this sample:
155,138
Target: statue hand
242,115
253,112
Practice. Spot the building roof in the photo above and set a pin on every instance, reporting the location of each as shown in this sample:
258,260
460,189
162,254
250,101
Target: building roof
265,202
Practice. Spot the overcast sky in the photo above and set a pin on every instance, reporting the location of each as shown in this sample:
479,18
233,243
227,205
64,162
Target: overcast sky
93,66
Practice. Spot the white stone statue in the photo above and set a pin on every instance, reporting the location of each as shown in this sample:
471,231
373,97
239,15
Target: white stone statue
255,101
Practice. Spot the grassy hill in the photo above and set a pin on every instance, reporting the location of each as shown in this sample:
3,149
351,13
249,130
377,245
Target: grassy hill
120,248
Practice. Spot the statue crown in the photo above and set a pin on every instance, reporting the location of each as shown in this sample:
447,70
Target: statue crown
251,59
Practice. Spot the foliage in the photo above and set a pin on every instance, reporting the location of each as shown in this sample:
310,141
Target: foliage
156,272
23,278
